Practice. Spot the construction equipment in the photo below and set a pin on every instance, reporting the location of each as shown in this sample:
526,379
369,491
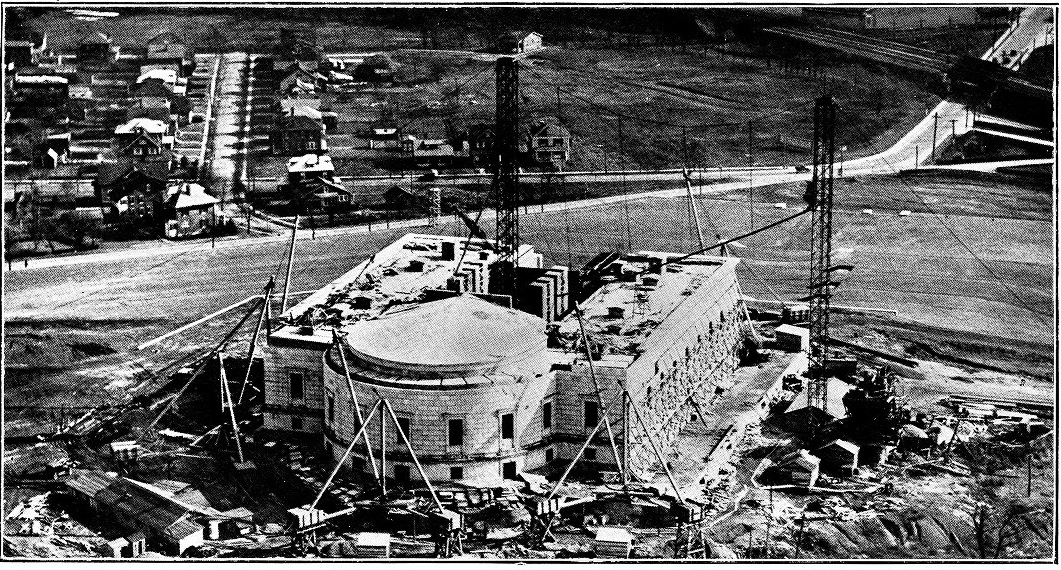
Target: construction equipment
305,521
506,187
263,319
819,198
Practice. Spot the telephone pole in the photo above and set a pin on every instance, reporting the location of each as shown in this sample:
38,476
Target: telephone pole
751,185
935,124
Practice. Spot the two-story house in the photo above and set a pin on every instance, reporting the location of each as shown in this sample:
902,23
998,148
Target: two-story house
143,138
296,135
312,183
97,49
166,48
135,188
549,143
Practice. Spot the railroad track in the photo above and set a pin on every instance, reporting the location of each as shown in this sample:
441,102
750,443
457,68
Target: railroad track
884,51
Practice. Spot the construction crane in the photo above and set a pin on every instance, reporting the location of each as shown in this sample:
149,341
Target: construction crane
819,198
506,188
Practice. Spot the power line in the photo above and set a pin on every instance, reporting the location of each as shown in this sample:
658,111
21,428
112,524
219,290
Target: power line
942,220
642,119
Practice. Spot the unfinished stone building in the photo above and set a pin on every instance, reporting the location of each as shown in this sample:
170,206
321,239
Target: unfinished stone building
485,391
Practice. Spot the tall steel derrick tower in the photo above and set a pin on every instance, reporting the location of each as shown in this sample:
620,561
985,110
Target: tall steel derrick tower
819,198
506,181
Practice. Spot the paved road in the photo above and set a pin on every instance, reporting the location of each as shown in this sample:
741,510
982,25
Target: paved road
230,110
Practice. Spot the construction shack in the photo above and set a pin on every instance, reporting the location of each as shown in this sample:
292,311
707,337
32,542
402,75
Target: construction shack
800,467
613,542
840,455
791,338
372,545
801,414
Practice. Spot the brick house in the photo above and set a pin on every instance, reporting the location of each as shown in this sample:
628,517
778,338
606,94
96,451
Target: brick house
296,135
135,188
481,145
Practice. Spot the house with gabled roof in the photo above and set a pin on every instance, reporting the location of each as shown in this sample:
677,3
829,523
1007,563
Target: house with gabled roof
519,41
166,48
296,135
190,210
549,143
96,48
135,188
311,180
143,137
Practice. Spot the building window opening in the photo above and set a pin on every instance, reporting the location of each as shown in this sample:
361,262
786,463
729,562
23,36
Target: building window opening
549,455
297,386
591,454
508,470
591,414
456,472
296,422
456,431
508,428
547,415
401,473
406,426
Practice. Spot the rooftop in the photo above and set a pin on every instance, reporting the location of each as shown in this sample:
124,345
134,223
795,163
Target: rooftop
165,75
635,299
188,195
458,336
389,279
310,163
150,126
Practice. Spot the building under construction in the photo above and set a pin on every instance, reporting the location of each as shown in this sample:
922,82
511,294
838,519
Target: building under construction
485,391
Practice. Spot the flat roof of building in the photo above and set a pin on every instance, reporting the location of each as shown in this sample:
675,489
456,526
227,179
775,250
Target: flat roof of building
626,310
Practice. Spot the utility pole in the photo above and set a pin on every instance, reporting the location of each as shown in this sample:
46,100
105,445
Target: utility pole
1028,457
559,108
935,124
953,130
626,202
769,520
751,185
917,161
